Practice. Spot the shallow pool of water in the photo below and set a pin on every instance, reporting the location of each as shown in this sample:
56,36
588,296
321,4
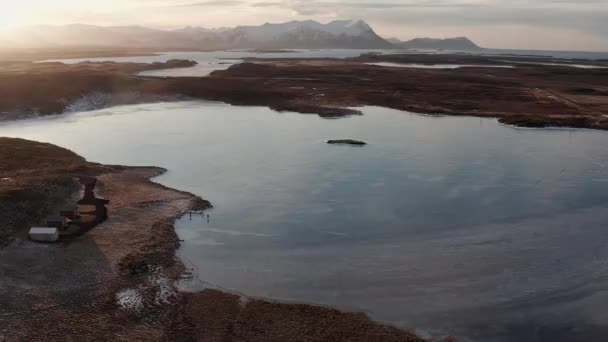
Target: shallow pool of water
449,225
437,66
579,66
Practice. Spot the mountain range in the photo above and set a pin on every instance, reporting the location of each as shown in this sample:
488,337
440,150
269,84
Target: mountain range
310,34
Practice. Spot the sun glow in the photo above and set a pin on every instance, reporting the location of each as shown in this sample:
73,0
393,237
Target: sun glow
9,16
14,13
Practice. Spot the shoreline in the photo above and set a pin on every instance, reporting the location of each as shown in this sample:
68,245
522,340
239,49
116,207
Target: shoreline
526,96
119,279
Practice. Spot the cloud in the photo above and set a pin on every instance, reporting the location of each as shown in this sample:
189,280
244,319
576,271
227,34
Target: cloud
215,3
586,18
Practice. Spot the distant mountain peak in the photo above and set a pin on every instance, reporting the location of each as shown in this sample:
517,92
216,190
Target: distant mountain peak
307,34
350,27
457,43
359,23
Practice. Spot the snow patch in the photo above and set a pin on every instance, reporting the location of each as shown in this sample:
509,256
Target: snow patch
100,100
130,300
156,291
165,291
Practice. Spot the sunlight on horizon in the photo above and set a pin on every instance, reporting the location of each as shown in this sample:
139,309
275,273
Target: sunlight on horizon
10,16
24,13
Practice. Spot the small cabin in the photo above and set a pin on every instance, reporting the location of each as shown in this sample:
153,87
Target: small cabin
93,210
95,207
44,234
59,222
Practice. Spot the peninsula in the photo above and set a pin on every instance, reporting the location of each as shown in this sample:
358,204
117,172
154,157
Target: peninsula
521,91
105,286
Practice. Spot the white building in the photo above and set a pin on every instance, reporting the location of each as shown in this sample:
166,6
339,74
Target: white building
44,234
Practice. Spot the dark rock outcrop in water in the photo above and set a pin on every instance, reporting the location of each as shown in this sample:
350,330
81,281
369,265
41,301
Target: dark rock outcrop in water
347,142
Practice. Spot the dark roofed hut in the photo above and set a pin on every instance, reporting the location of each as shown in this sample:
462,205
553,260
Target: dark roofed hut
93,210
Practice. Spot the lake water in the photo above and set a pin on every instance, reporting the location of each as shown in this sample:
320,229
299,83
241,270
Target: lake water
209,61
448,225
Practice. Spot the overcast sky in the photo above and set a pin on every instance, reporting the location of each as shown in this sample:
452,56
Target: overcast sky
540,24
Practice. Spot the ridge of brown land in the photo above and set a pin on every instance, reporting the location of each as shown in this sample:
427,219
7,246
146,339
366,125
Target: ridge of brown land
40,54
31,89
117,281
528,95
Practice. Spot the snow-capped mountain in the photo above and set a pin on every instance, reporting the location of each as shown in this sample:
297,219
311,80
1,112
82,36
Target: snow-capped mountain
293,34
311,34
269,32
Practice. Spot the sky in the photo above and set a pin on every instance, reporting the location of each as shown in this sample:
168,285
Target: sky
524,24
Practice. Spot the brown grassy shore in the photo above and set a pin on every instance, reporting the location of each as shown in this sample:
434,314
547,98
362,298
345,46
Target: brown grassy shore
41,54
32,89
117,281
528,95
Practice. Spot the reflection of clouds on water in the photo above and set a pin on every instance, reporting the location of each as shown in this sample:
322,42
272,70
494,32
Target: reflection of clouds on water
193,237
236,233
322,210
459,190
420,178
334,233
